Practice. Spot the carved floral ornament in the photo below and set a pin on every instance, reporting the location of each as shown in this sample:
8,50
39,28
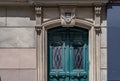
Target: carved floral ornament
67,16
38,10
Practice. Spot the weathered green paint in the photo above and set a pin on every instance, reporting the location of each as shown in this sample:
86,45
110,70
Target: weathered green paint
65,37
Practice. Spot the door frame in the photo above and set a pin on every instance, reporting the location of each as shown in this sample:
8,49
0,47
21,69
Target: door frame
85,68
94,46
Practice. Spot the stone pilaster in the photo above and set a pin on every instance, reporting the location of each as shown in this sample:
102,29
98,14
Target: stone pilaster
39,56
97,24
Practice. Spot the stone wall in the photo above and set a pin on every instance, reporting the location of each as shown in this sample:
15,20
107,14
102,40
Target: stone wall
17,44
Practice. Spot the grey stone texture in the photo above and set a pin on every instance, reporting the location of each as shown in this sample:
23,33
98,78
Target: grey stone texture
17,16
17,44
103,17
17,37
85,13
103,75
104,37
20,16
103,58
18,75
3,16
17,58
50,13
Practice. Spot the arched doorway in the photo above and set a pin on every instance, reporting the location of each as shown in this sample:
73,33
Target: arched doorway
68,54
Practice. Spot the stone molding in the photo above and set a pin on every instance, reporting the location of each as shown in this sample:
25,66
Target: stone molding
51,2
114,1
94,41
78,22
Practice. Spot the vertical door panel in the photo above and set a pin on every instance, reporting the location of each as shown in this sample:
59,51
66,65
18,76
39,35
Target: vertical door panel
78,56
56,55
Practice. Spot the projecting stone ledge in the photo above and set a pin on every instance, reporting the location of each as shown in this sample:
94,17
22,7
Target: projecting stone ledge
114,1
52,2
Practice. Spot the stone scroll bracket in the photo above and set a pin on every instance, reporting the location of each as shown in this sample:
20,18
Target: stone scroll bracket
38,10
98,19
67,16
38,29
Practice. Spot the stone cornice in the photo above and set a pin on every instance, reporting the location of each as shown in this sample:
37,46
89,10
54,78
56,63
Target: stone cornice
52,2
114,1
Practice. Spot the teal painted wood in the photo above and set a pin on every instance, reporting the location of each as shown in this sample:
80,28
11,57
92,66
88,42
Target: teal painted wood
68,42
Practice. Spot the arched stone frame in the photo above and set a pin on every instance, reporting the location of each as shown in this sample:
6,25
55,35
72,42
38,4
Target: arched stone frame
92,46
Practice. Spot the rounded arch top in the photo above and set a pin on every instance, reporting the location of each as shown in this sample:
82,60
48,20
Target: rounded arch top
78,22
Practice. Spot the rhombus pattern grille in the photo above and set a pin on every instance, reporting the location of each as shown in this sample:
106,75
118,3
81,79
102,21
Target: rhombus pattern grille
78,57
57,57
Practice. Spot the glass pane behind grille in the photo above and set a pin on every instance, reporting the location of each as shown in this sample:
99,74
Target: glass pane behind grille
78,57
57,57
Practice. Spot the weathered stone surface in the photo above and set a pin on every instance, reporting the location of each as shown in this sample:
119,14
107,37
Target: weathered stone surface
91,1
70,1
13,0
50,13
103,58
2,16
85,13
28,58
52,2
20,16
28,75
103,75
17,37
103,17
103,37
9,75
17,58
18,75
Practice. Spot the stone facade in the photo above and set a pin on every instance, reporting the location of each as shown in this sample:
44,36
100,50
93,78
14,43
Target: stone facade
23,46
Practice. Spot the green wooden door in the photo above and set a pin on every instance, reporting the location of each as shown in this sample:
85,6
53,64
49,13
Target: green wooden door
68,54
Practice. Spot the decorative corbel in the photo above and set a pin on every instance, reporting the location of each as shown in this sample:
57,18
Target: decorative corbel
38,26
98,19
38,29
67,16
97,10
38,10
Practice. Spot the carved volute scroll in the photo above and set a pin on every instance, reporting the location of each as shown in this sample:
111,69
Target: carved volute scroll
98,19
67,16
